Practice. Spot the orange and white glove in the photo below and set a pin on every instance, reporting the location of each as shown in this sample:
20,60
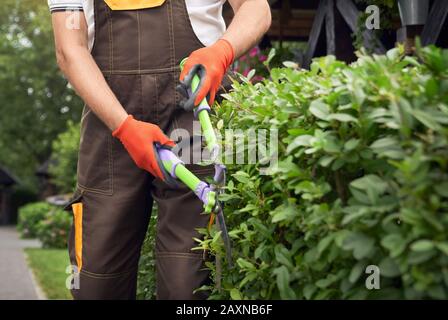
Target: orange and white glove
211,64
138,138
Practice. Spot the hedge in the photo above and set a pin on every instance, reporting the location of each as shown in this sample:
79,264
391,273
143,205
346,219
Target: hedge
146,282
64,156
53,231
46,222
29,217
361,180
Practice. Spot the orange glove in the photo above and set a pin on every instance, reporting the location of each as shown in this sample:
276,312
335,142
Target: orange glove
210,63
138,138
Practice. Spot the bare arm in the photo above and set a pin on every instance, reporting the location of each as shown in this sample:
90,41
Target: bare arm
78,65
252,20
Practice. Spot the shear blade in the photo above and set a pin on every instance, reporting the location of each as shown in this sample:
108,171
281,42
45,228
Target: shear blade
225,235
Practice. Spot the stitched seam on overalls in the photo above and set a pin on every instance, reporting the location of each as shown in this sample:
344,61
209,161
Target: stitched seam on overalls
98,191
166,254
111,41
111,165
85,115
142,71
173,56
110,173
156,89
171,32
106,275
139,40
140,92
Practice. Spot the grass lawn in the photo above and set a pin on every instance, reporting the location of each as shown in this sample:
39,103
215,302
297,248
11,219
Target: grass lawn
49,267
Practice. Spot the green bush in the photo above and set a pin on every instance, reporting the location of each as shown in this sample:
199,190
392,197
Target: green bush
146,284
29,217
361,180
53,230
65,158
48,223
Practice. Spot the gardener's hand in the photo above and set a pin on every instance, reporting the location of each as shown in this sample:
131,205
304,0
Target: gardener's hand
138,138
210,63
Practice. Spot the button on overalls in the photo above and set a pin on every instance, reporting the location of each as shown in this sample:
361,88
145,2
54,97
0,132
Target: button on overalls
139,52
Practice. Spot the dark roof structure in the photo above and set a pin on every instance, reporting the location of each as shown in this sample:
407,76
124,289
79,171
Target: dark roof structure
6,178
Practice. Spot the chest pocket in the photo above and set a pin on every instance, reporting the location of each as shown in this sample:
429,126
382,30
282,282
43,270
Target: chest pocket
133,4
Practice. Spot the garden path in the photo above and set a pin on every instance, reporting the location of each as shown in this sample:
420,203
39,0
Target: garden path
16,280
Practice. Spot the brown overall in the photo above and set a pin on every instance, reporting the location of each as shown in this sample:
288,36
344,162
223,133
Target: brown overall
139,52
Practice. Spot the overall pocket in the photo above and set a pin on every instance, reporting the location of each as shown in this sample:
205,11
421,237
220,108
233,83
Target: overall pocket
95,162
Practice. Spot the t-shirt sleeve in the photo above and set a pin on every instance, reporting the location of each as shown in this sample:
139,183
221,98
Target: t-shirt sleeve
63,5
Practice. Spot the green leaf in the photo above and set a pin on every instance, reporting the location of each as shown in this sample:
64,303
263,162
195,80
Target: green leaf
356,271
291,64
251,74
422,245
282,256
388,147
326,282
389,268
427,119
235,294
283,279
342,117
395,243
242,177
325,161
248,278
299,141
372,185
418,257
220,124
324,243
387,142
309,290
244,264
284,212
361,245
442,189
354,213
320,109
271,55
351,144
443,246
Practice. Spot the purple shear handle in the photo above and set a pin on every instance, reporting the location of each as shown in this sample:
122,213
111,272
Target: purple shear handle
202,191
167,155
200,108
220,174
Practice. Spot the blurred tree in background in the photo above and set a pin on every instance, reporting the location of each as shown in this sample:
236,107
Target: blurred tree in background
65,158
35,103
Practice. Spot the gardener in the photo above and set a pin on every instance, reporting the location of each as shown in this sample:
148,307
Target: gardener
122,58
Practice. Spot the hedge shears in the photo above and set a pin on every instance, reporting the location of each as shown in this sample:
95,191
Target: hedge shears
174,169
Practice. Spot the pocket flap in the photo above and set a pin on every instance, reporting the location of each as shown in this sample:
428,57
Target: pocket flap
77,197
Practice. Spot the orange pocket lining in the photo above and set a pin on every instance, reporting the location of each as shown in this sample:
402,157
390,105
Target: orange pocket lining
77,212
133,4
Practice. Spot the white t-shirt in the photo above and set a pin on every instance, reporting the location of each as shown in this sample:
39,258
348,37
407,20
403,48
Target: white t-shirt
205,16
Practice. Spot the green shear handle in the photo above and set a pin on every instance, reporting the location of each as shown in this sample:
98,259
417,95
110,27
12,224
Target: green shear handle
174,169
